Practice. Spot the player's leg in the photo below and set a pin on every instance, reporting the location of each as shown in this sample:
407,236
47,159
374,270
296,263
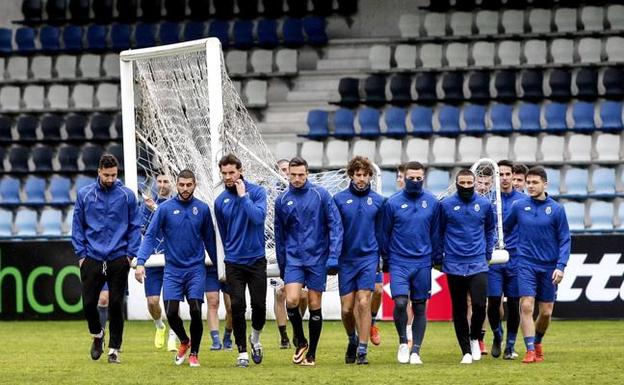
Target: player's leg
279,308
227,332
408,327
347,275
315,280
117,278
365,287
103,306
294,278
257,281
513,313
546,294
153,287
458,288
400,289
375,336
92,282
194,293
237,284
303,301
495,282
478,293
527,289
420,289
212,300
173,293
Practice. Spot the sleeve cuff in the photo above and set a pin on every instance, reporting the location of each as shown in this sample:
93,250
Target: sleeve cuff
561,266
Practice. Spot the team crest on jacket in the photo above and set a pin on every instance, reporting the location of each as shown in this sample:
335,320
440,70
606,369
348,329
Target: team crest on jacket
548,210
289,203
477,208
404,205
195,211
424,204
226,200
349,201
456,208
528,208
175,212
369,201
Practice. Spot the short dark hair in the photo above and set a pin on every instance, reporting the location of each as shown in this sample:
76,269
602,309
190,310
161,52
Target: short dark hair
230,159
413,165
108,161
464,172
486,170
506,163
401,168
298,161
186,174
360,163
539,171
281,160
519,168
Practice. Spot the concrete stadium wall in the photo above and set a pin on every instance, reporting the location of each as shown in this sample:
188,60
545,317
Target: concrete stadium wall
10,10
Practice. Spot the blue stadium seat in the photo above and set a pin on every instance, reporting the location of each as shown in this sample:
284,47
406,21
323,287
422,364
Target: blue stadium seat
221,30
72,38
500,115
531,82
127,11
603,182
601,215
613,82
56,10
479,86
576,181
505,85
437,181
18,159
425,85
267,34
223,10
575,213
6,223
102,11
75,125
560,81
25,40
292,32
273,9
388,183
400,88
322,7
318,124
79,10
247,9
116,149
349,90
200,10
583,115
452,85
50,38
175,10
297,8
34,190
395,121
368,119
375,89
100,126
68,158
169,32
151,10
6,124
314,28
82,181
421,118
120,37
26,126
6,41
42,158
529,116
32,9
343,123
96,37
474,117
145,35
555,115
2,155
51,222
554,181
90,156
243,34
587,83
611,115
51,127
59,190
194,30
449,120
26,223
9,190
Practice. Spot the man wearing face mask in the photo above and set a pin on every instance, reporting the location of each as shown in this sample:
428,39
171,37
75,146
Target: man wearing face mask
360,212
467,224
409,240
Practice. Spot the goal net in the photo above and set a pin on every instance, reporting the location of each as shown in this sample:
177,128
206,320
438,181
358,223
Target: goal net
181,110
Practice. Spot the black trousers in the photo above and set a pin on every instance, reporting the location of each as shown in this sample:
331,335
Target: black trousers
238,278
93,275
459,287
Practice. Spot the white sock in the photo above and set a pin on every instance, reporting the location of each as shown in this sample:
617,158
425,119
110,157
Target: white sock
111,351
159,324
172,334
99,335
255,336
408,332
243,356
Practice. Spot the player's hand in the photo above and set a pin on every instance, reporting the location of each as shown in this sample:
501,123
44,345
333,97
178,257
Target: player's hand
332,266
385,266
557,276
240,188
80,262
149,202
139,273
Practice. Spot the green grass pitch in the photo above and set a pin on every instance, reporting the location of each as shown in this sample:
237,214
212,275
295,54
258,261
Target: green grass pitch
577,352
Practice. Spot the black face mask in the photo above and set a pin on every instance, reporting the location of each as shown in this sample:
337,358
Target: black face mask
465,193
356,191
413,187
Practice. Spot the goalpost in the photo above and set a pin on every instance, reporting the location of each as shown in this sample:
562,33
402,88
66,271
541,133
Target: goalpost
181,110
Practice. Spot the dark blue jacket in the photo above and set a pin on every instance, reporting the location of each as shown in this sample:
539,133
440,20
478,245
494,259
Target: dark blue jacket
361,215
241,224
187,230
106,223
469,230
146,217
411,228
543,233
511,237
307,227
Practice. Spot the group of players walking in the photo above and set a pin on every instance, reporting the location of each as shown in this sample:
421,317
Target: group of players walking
354,234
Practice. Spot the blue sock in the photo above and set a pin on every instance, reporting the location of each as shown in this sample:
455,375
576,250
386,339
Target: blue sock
373,318
215,336
530,343
499,332
538,337
353,339
362,348
227,334
511,340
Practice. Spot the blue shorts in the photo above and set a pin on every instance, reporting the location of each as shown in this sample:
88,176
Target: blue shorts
536,282
502,279
188,283
213,283
312,277
412,281
153,281
356,275
379,277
